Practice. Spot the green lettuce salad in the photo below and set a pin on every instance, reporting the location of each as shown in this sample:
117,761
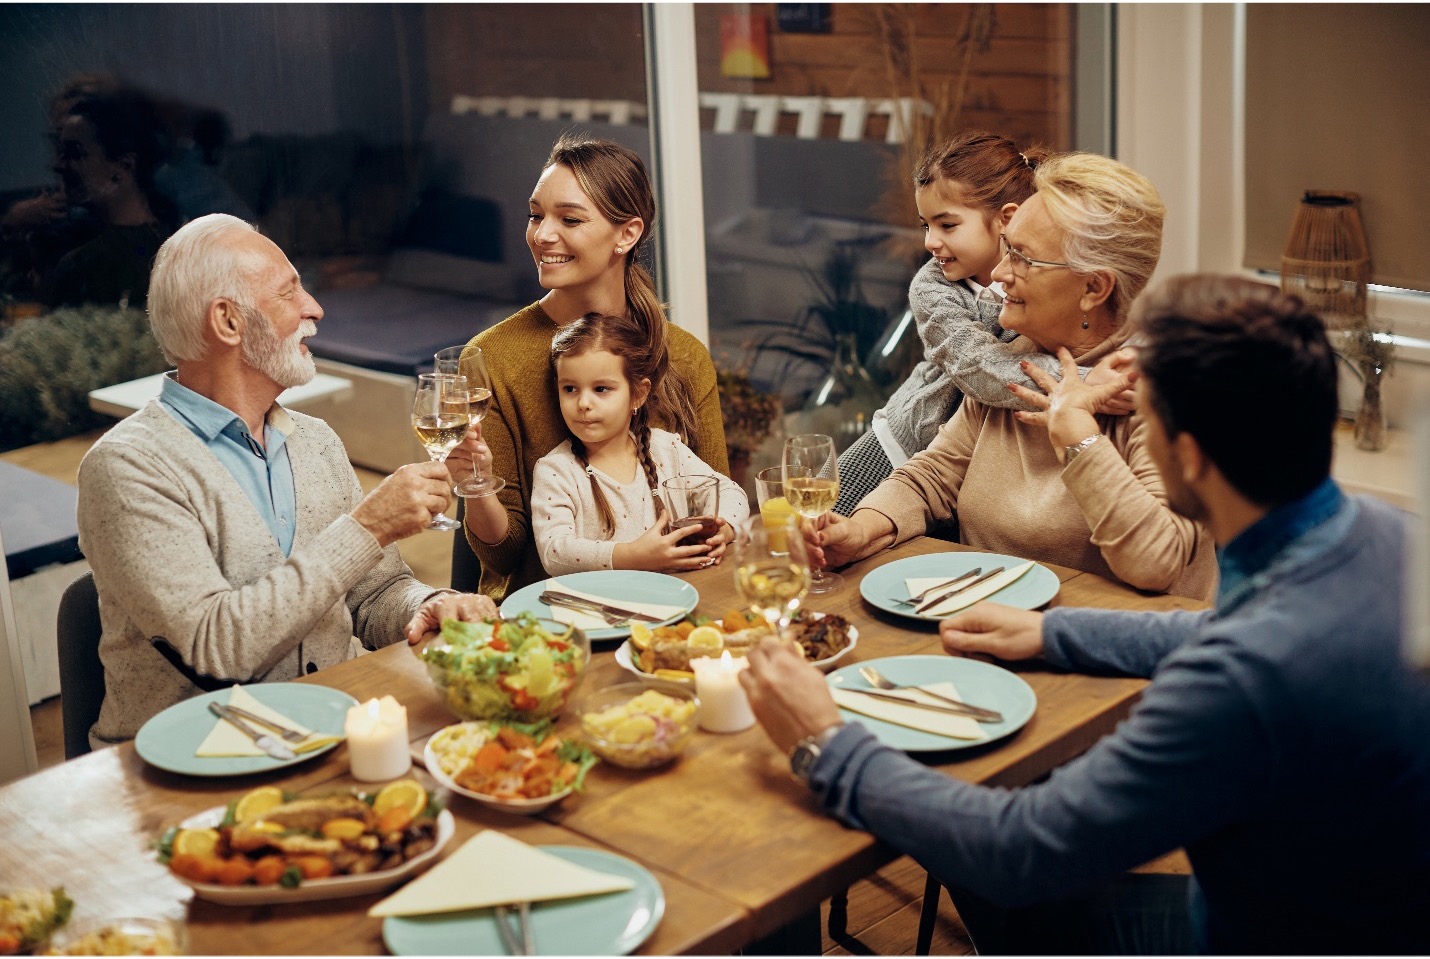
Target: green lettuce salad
509,669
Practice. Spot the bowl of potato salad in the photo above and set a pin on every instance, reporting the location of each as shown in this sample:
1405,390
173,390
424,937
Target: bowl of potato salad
639,725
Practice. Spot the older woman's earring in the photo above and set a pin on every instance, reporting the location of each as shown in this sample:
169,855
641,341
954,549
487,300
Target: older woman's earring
1084,321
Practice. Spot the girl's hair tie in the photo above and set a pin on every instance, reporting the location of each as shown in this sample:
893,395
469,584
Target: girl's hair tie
1026,162
590,470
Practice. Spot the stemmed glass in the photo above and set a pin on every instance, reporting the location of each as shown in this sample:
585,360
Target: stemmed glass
479,400
439,418
811,476
773,581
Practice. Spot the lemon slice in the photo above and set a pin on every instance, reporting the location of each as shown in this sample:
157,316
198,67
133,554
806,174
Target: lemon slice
705,639
674,675
258,803
641,636
196,842
404,794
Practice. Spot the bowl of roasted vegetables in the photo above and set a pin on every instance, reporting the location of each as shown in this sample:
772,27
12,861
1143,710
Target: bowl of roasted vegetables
522,669
271,847
516,768
665,652
29,916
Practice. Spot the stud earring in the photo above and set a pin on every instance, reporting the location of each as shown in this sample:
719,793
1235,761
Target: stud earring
618,251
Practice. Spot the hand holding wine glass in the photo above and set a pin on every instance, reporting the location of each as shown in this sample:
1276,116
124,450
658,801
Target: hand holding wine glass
439,418
811,483
772,580
469,362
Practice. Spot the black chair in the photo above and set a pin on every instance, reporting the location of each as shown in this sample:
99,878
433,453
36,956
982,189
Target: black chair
81,672
466,569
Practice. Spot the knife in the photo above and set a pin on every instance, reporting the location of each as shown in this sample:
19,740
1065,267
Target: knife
942,598
915,600
960,709
553,598
273,747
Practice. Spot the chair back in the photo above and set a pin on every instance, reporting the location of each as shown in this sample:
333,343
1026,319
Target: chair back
466,568
81,672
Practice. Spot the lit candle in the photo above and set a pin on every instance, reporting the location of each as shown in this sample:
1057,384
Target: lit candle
377,740
724,708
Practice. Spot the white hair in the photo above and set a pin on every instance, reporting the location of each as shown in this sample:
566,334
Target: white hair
192,269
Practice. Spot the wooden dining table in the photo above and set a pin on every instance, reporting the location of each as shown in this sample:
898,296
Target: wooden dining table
737,844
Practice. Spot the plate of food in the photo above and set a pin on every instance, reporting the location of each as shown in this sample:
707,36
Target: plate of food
520,769
29,916
171,739
665,652
639,589
267,847
612,924
891,586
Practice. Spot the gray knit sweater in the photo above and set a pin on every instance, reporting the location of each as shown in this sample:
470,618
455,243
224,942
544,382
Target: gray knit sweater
194,592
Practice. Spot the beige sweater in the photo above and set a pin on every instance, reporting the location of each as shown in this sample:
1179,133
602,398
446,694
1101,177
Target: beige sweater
184,563
1106,512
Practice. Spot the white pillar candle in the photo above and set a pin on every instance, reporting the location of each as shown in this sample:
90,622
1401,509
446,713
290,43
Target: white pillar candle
724,708
377,740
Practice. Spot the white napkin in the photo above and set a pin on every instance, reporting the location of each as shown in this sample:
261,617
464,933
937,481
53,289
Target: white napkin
492,869
969,596
225,739
924,720
582,620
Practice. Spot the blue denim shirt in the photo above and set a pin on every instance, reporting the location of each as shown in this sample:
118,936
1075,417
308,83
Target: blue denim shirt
1248,562
263,472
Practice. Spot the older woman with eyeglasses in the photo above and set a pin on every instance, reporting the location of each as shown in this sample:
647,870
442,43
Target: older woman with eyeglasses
1063,484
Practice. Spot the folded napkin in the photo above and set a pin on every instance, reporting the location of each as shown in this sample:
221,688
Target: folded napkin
924,720
225,739
492,869
969,596
582,620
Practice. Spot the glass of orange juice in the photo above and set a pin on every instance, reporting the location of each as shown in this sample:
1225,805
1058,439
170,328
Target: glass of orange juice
774,508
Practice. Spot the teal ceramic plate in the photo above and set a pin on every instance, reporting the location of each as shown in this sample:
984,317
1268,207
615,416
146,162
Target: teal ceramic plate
618,584
885,586
609,925
170,738
979,683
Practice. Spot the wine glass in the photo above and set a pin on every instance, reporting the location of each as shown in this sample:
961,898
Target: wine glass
811,475
439,418
479,400
773,581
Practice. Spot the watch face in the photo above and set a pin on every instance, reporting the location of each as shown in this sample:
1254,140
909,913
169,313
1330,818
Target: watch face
802,759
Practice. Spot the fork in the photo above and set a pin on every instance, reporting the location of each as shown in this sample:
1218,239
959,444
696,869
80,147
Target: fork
580,606
879,681
915,600
291,735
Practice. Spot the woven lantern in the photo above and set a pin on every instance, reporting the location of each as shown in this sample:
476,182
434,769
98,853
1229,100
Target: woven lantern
1326,262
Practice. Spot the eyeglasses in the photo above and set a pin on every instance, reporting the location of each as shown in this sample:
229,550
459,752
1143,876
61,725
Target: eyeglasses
1020,263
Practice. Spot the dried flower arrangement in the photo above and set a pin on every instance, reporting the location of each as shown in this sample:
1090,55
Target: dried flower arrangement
749,416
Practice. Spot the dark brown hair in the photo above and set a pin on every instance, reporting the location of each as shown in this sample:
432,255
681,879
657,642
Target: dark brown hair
1216,348
640,360
615,179
988,169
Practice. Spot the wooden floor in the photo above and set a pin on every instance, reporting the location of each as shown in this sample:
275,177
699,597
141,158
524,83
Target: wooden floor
883,909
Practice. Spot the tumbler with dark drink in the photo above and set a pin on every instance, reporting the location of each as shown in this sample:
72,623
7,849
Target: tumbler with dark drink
693,503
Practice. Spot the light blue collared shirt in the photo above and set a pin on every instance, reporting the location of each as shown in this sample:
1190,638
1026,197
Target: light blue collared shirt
264,472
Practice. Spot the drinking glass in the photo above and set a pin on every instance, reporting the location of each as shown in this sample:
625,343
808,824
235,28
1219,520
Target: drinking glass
774,507
439,418
479,400
773,581
811,477
694,503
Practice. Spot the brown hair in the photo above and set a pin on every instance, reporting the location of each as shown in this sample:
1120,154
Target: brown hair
1251,341
641,359
615,179
988,169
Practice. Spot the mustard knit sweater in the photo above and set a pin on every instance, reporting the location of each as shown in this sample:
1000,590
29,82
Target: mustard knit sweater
524,424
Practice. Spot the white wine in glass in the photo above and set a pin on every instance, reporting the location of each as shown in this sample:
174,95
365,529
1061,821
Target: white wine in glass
811,479
773,582
455,359
440,418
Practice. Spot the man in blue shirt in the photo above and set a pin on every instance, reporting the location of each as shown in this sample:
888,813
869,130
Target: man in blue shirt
1283,741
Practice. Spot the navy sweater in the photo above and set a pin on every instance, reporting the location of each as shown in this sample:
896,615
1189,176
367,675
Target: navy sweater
1283,742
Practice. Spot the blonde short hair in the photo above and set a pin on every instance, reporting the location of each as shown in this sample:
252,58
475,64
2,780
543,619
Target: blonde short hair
1111,217
192,269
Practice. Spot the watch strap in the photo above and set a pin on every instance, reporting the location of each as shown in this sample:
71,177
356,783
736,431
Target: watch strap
1075,449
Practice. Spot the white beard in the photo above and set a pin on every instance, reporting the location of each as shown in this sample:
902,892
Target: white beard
284,362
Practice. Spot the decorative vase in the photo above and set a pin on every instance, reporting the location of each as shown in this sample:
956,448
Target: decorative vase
843,405
1370,419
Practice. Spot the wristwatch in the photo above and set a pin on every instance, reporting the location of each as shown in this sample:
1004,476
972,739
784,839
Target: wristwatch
1072,451
804,755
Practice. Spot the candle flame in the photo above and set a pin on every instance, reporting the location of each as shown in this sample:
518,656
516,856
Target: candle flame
725,661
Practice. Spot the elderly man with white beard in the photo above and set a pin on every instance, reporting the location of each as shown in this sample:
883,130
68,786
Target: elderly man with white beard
229,538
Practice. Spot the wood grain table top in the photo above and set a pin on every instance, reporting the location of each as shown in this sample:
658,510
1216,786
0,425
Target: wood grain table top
736,842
